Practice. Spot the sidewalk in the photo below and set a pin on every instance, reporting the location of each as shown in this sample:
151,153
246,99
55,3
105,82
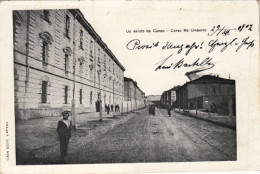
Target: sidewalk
35,137
225,121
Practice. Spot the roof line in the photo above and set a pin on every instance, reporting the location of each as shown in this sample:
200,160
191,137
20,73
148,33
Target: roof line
96,36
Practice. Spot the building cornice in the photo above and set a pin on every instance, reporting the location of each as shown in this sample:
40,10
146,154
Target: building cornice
80,17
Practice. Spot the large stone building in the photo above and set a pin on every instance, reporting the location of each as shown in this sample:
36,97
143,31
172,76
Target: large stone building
59,60
134,97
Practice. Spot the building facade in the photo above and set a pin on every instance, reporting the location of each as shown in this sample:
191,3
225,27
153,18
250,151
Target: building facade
134,97
168,97
208,93
60,60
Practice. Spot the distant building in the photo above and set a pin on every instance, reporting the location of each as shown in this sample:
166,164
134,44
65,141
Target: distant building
168,97
134,97
60,59
153,99
209,93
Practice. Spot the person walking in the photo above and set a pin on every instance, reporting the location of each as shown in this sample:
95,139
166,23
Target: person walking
105,107
169,110
116,108
64,132
112,107
108,109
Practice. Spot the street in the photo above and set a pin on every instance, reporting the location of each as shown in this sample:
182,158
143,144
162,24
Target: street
159,138
140,137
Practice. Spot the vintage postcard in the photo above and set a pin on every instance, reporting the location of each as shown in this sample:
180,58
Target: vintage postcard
129,87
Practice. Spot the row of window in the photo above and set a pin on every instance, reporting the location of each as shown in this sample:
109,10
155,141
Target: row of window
47,41
46,15
68,52
66,90
66,96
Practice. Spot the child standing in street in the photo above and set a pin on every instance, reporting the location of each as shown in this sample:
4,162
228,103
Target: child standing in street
64,132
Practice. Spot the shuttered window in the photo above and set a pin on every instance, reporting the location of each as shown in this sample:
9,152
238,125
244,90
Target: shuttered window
81,39
91,95
66,63
44,91
66,95
80,96
67,26
46,15
44,51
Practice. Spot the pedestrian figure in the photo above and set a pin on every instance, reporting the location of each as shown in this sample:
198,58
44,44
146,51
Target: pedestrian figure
112,107
64,132
108,109
152,109
105,107
116,108
169,110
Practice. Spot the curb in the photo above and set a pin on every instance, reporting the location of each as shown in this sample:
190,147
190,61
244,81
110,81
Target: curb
210,121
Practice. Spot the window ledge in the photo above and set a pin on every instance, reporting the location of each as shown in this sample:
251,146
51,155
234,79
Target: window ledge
45,63
44,105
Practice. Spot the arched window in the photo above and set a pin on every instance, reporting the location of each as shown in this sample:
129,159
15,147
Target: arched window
67,51
46,42
81,62
47,37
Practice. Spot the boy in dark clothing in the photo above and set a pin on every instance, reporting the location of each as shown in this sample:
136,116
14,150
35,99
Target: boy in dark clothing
64,131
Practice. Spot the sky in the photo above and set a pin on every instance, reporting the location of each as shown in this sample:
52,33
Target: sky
113,21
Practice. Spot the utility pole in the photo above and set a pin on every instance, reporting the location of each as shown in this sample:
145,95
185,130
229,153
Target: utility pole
113,93
73,116
100,100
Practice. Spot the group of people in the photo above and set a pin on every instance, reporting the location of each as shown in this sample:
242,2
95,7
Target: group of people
108,108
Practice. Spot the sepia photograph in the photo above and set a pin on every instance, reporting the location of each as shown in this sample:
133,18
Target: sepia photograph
131,83
73,103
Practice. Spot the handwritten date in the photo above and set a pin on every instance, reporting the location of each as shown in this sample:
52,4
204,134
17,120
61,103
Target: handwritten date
222,30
